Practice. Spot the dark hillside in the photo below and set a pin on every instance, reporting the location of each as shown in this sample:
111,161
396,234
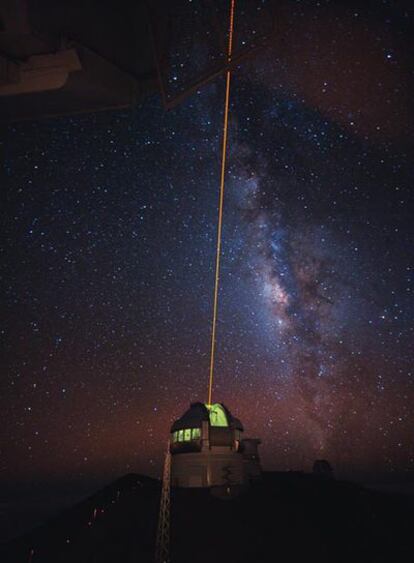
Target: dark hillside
286,517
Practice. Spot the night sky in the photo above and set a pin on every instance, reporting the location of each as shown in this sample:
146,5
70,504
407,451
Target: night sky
109,232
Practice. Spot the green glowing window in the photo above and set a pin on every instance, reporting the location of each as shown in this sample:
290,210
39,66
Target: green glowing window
218,415
187,434
195,433
181,435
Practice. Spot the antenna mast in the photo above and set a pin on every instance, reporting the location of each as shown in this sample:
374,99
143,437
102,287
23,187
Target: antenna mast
162,548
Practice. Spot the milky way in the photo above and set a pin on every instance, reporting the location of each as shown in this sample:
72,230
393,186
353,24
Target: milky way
107,270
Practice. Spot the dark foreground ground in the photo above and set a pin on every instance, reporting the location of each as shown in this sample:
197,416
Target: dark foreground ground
287,517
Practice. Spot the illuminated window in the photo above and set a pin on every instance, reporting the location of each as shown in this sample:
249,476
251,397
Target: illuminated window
218,415
195,433
186,435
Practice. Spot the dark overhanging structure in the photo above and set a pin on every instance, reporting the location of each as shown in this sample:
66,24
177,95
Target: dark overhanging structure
67,58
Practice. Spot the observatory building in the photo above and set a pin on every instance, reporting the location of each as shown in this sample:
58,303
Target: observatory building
208,450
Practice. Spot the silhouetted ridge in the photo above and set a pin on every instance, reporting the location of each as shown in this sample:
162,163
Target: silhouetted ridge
286,516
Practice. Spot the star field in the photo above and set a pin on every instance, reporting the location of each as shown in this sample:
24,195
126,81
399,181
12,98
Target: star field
109,225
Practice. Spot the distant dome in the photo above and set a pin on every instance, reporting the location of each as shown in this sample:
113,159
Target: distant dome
323,468
217,414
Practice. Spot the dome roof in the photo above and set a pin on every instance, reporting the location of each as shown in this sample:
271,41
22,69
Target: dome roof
216,414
